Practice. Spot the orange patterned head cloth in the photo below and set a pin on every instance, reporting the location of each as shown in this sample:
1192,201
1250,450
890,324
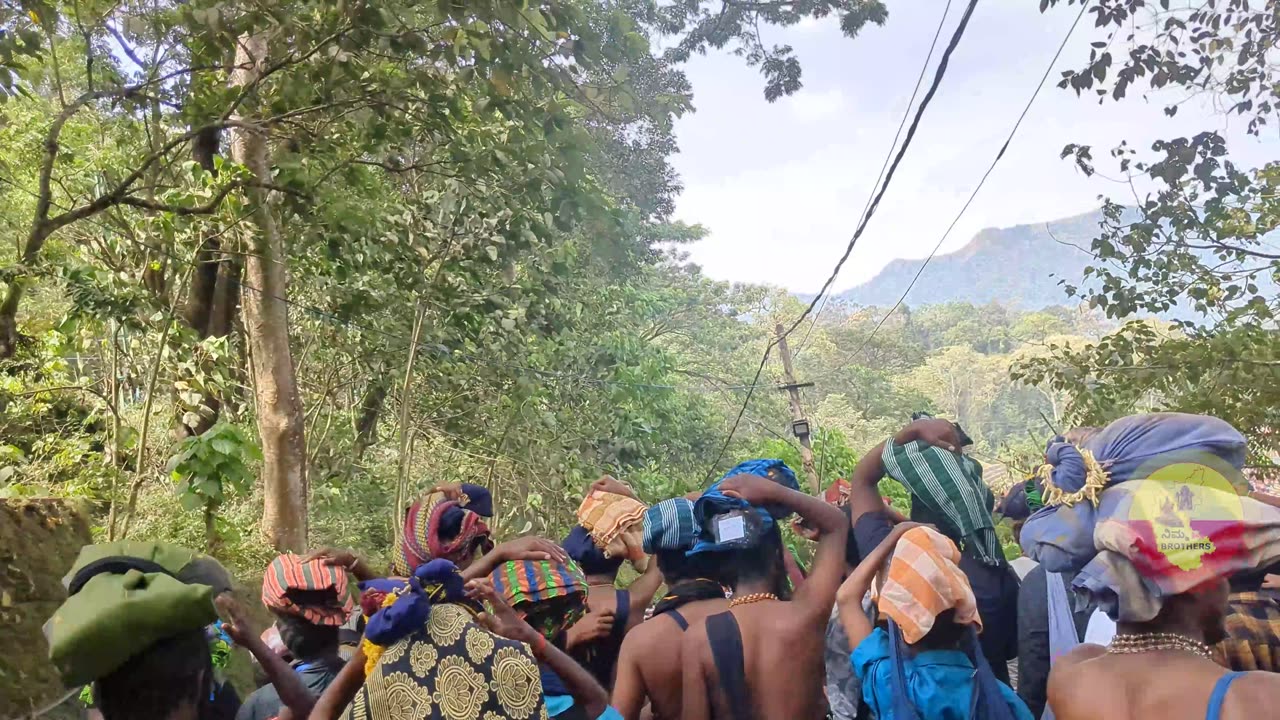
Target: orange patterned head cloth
922,582
312,590
616,523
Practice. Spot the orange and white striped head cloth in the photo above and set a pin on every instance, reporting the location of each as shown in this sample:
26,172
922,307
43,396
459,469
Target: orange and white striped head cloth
923,581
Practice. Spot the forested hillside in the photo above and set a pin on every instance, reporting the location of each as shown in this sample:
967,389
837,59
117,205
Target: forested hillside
1022,266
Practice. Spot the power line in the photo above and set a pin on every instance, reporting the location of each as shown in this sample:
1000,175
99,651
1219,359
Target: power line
348,324
906,113
911,132
862,224
741,411
981,182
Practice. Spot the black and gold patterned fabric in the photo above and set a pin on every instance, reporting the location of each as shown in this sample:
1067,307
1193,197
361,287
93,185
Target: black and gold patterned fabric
451,669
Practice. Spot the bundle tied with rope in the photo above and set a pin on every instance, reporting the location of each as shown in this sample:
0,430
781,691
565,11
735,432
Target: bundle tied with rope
1080,467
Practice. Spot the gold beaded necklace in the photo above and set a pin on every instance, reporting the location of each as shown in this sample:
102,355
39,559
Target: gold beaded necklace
1150,642
752,598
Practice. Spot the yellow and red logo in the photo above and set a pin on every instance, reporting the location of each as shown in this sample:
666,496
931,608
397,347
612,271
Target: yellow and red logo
1186,519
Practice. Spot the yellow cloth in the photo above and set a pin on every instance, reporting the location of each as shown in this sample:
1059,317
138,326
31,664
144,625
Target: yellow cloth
923,581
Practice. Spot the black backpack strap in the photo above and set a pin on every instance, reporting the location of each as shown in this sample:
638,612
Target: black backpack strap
622,613
725,638
115,565
675,615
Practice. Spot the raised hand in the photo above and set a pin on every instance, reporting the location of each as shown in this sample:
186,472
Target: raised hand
932,431
610,484
808,532
592,627
235,620
345,559
452,491
754,489
531,548
500,619
333,556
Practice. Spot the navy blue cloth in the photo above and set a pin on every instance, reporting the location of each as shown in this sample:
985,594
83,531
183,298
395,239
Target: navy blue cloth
1014,505
479,501
713,503
551,682
436,581
582,549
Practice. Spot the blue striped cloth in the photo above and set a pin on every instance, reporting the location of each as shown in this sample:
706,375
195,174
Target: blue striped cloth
669,525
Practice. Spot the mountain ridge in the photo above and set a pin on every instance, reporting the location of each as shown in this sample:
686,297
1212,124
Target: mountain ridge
1021,266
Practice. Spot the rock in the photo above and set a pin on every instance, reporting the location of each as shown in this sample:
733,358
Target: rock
39,540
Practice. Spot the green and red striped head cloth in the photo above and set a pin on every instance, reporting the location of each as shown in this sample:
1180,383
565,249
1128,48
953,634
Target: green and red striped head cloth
552,595
313,590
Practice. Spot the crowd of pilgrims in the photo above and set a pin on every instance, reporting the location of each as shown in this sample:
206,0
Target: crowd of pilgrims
895,617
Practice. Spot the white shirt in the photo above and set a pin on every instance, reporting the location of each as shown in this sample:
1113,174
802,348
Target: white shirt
1101,629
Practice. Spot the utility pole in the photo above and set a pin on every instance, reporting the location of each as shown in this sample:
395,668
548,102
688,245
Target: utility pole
799,425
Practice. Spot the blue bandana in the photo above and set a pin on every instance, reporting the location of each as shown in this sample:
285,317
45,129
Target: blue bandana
713,502
669,525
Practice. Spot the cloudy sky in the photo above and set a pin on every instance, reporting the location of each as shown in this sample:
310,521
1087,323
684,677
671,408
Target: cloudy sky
780,186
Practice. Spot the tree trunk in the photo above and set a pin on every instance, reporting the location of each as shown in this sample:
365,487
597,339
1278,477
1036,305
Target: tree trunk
211,302
279,406
375,396
9,319
9,335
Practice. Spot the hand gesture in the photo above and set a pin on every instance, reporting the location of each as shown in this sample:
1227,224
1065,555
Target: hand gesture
932,431
531,548
452,491
235,620
333,556
501,619
592,627
610,484
345,559
1271,582
752,488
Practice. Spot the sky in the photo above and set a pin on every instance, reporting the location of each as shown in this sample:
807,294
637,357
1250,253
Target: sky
780,186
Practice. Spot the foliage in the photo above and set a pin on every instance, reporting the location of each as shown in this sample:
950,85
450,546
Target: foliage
497,175
702,25
1198,247
54,429
210,466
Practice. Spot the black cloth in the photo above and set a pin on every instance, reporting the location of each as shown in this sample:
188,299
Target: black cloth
1251,580
223,705
675,615
600,658
725,638
686,592
1033,635
265,704
994,587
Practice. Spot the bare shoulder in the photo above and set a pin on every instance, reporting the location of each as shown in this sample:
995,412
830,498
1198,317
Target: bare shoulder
1077,683
645,635
1080,654
695,638
1251,691
1072,671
